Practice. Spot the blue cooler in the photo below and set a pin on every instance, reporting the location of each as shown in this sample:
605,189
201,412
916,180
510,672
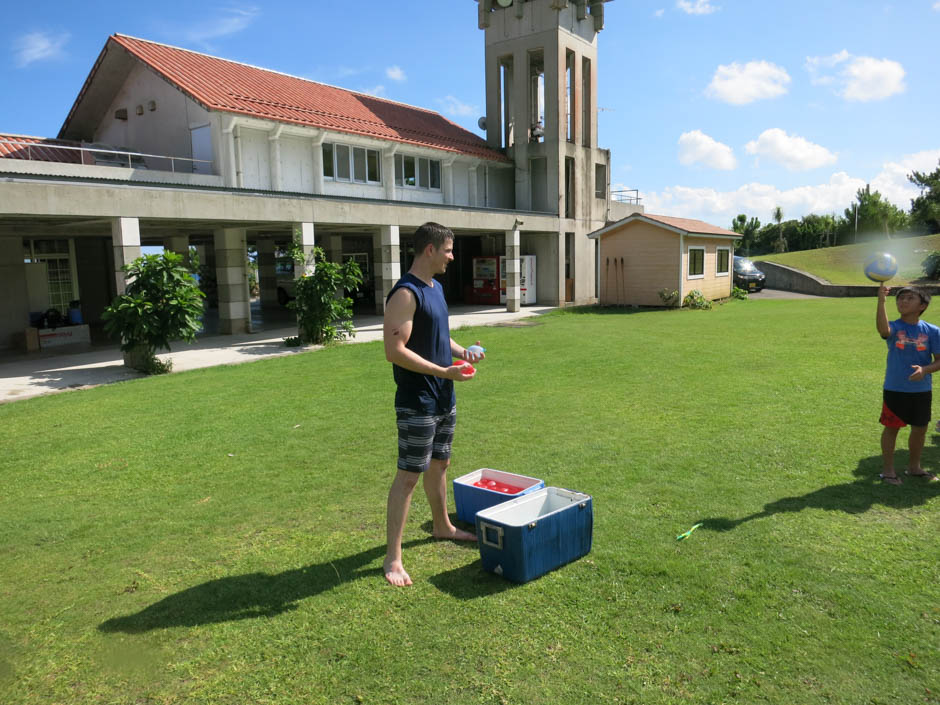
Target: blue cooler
526,537
470,499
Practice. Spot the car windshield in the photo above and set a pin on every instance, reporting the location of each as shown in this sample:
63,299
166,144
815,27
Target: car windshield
744,266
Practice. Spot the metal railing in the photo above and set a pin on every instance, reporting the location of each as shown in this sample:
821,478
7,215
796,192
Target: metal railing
629,195
98,155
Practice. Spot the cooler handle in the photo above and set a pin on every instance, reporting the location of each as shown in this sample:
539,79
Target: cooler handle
484,527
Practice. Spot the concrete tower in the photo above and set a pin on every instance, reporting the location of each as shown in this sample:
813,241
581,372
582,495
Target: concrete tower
541,109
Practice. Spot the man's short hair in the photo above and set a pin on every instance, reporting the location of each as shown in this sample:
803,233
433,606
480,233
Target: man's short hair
924,296
431,234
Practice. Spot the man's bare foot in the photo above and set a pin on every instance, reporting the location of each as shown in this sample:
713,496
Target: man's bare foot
454,534
395,574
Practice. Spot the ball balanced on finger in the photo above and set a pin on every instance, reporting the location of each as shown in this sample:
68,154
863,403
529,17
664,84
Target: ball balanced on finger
880,267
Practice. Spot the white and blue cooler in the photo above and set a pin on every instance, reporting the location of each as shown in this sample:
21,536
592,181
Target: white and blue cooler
469,499
526,537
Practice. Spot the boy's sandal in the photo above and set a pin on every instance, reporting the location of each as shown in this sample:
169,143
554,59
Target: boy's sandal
890,479
928,476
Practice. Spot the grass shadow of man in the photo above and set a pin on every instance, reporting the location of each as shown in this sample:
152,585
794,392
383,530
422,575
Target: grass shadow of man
854,497
250,595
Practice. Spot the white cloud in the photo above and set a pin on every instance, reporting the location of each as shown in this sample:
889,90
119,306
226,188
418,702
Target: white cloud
39,46
378,91
453,106
936,6
793,152
696,146
757,199
659,13
740,84
395,73
231,21
698,7
860,78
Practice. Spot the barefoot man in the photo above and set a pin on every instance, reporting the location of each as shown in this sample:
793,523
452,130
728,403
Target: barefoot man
419,346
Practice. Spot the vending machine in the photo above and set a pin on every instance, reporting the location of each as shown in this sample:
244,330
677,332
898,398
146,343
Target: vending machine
526,279
485,280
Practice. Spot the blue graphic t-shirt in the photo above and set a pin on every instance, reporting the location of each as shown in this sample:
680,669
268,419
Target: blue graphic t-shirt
430,338
910,344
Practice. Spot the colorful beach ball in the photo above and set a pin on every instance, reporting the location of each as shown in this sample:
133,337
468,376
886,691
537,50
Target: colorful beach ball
881,267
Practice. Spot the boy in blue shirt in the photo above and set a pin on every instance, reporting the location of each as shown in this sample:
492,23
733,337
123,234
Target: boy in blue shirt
913,355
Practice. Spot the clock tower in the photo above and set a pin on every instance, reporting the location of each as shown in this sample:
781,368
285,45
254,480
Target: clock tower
541,111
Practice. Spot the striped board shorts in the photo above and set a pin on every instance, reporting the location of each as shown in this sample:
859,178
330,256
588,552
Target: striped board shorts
422,437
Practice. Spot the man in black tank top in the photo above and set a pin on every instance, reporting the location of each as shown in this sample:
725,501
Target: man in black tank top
419,346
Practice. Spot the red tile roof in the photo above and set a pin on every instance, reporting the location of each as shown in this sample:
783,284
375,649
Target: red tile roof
39,149
232,87
699,227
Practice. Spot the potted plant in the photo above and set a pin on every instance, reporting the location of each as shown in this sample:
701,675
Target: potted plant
162,302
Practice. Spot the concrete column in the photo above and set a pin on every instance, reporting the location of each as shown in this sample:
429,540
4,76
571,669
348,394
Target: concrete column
513,292
177,243
232,279
274,157
388,172
472,179
334,249
317,154
303,236
267,274
125,236
388,264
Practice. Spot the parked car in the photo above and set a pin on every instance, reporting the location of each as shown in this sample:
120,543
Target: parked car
747,276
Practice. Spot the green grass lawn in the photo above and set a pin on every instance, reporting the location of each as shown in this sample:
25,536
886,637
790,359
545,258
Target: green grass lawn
844,264
216,536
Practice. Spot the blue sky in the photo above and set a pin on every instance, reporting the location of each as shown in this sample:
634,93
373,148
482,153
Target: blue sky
709,107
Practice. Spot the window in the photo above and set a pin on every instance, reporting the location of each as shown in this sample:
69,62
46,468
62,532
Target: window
328,161
345,163
417,172
721,261
696,263
600,181
59,256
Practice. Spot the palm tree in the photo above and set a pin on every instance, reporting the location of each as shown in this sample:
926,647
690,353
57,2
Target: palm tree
777,215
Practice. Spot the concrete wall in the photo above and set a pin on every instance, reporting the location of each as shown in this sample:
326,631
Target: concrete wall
14,311
164,130
788,279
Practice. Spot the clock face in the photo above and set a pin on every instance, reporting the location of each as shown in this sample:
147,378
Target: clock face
504,3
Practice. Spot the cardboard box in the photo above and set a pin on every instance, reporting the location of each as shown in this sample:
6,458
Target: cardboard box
65,335
470,499
527,537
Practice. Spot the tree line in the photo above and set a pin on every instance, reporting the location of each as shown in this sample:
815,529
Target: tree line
869,217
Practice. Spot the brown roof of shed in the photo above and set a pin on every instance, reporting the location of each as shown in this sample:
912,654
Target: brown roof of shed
242,89
690,225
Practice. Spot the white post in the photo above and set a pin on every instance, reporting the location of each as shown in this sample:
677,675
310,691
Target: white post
125,236
513,291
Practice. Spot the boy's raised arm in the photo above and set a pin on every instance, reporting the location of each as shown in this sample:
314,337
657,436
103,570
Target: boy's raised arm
881,316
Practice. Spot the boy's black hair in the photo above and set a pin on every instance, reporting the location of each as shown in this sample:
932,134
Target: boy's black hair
923,295
431,234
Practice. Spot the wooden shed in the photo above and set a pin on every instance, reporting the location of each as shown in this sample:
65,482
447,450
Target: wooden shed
643,254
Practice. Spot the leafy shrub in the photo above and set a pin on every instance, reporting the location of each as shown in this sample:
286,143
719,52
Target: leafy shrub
695,299
161,303
323,315
738,293
669,298
931,265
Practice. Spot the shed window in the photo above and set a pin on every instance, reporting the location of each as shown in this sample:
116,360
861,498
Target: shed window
722,261
696,263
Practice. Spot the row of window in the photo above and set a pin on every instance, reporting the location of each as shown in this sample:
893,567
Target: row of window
697,262
364,166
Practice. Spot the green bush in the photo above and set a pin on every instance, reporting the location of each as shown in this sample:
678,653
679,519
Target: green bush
738,293
323,313
695,299
161,303
931,265
669,298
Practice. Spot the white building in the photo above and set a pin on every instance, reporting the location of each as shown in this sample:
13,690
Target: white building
217,154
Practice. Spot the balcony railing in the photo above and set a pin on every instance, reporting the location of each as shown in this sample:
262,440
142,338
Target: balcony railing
630,195
99,155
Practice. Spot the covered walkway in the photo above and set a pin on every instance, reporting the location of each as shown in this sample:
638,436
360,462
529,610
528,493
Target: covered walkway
25,376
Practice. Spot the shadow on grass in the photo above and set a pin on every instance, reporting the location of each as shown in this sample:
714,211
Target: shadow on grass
850,497
470,582
250,596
